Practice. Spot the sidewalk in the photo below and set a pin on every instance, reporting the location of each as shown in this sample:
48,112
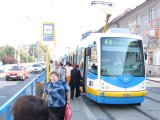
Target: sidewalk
80,111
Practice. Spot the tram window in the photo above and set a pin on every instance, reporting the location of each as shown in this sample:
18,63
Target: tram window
88,51
80,59
92,66
122,57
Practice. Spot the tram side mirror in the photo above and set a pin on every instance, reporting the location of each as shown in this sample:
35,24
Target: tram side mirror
145,56
88,51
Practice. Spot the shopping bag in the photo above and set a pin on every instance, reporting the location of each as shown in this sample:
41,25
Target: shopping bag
68,112
39,88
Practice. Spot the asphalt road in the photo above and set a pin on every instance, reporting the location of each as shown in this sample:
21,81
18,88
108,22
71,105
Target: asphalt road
10,88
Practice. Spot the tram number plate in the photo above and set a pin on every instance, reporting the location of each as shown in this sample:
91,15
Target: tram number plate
126,95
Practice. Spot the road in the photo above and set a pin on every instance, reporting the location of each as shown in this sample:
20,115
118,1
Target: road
9,88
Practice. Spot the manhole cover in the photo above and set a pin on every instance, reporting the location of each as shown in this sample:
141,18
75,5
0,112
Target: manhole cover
3,96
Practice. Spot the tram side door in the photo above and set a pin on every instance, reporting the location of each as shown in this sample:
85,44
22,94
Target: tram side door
86,61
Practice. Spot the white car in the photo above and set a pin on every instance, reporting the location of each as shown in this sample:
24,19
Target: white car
43,65
37,68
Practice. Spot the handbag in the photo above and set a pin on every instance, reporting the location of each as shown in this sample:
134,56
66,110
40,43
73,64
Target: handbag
81,83
68,112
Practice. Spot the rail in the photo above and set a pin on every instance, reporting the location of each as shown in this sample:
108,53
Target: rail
6,107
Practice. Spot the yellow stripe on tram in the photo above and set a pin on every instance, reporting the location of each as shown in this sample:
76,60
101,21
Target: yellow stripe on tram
116,94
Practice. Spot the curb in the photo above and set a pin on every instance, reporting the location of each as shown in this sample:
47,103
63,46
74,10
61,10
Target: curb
157,81
87,111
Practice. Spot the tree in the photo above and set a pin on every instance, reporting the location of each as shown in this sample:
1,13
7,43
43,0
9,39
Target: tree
8,60
7,55
25,57
36,51
33,50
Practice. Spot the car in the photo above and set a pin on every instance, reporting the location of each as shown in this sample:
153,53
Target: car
17,72
43,65
37,68
29,67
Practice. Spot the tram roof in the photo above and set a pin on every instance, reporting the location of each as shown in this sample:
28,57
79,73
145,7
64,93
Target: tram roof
97,36
126,35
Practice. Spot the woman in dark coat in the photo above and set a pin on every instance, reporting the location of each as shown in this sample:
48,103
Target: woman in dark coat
75,81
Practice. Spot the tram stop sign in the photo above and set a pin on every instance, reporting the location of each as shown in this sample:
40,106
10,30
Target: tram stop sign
48,30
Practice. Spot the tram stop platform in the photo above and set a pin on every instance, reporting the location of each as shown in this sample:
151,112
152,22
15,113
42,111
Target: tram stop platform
80,111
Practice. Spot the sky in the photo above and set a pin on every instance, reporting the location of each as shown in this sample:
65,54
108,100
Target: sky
21,20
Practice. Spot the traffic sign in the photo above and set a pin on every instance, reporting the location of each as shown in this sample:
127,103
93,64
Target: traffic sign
48,32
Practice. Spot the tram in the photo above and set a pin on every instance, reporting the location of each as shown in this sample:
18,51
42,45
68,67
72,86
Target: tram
112,64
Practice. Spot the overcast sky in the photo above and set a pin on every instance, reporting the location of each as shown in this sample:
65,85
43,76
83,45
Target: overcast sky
21,20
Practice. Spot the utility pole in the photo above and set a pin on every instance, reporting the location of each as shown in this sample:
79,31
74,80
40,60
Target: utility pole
18,57
15,54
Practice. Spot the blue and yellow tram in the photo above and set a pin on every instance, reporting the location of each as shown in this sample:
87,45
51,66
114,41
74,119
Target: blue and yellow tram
113,66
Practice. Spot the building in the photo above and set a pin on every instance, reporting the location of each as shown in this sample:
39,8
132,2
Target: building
144,20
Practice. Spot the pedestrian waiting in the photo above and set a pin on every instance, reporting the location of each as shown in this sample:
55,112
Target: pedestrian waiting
58,93
59,69
67,72
75,81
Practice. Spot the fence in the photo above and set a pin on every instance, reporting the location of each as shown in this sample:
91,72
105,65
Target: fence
5,109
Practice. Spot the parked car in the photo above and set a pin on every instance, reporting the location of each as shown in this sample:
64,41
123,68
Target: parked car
37,68
17,72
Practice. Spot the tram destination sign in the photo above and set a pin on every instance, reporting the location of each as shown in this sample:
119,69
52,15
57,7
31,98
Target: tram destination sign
120,42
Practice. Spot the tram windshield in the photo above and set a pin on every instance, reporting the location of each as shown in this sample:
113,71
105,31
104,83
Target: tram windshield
121,56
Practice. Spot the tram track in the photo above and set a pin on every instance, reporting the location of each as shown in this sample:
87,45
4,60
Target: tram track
149,96
152,99
153,86
107,115
144,113
112,111
110,117
153,91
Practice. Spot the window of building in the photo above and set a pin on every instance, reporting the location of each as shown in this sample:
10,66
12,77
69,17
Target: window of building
152,13
150,58
156,58
138,20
